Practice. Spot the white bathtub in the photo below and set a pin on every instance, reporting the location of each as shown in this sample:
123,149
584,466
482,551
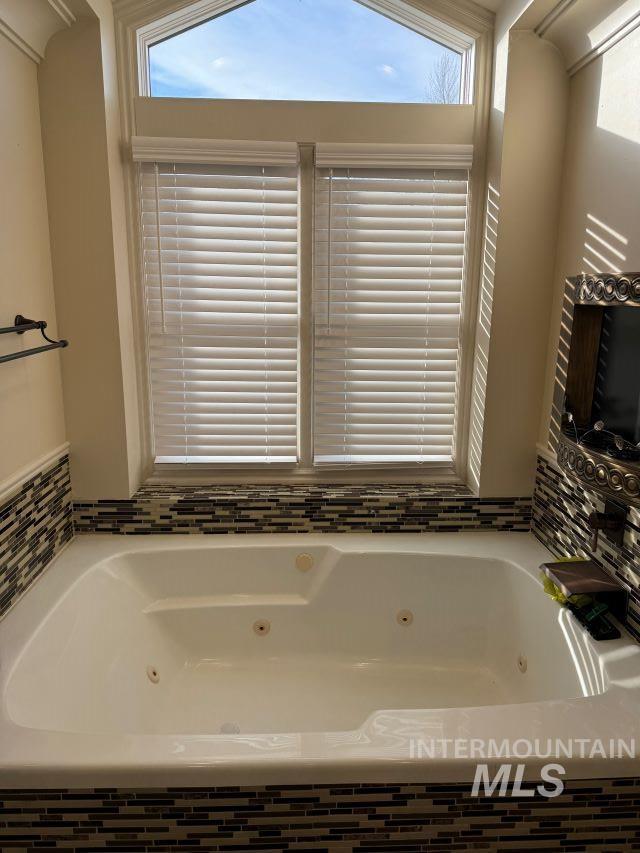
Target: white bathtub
169,660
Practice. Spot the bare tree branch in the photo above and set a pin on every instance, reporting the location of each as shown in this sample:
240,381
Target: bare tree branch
443,85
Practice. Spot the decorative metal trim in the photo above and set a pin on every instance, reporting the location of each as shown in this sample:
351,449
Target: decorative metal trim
598,471
607,289
590,468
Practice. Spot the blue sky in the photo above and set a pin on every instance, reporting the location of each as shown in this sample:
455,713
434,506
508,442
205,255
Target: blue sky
315,50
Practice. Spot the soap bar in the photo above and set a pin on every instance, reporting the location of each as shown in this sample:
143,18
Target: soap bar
580,577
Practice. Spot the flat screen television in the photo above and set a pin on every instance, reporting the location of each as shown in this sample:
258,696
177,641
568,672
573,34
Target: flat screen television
616,398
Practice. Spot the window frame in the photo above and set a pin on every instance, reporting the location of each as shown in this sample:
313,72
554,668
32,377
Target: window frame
415,18
137,25
305,470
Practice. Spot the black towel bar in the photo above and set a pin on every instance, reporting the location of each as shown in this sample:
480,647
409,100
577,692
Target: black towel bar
23,324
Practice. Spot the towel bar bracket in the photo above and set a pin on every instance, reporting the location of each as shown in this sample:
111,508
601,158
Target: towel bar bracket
26,324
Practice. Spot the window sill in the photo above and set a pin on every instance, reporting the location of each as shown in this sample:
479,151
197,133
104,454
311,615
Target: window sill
440,479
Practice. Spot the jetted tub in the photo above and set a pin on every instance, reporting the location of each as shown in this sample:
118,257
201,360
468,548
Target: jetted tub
168,660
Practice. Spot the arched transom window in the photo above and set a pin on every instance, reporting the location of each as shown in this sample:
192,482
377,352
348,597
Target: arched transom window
307,50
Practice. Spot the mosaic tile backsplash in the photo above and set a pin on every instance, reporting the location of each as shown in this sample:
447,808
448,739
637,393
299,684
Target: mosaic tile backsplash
301,509
34,524
561,507
40,517
594,815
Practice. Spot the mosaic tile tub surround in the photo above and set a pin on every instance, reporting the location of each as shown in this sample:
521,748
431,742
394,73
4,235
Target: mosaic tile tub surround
561,507
592,815
301,509
35,523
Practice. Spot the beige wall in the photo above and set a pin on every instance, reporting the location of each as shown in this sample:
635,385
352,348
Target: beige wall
80,127
31,412
124,264
297,121
522,274
525,150
600,216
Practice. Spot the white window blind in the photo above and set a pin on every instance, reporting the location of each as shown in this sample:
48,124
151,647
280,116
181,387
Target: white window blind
389,273
220,282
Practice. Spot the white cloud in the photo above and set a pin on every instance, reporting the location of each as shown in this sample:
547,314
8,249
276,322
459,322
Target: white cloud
220,61
389,70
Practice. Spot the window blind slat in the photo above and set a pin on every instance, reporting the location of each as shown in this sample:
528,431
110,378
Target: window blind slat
220,274
389,268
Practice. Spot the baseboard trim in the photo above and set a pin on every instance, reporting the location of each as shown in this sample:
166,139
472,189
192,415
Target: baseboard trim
14,483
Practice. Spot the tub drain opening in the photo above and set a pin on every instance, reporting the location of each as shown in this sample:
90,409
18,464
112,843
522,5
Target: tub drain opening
404,617
152,674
